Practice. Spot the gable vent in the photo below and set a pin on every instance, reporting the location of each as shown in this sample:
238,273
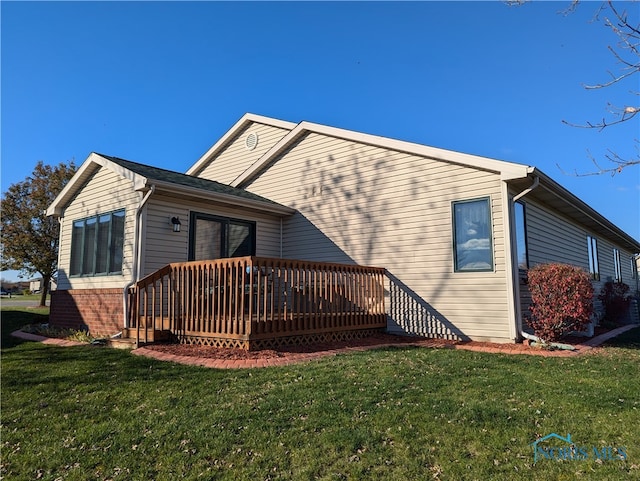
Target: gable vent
251,141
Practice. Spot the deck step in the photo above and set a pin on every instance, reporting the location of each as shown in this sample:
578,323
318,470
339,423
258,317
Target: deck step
153,335
122,343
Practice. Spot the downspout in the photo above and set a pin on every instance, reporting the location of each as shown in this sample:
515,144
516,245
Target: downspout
536,182
136,251
534,339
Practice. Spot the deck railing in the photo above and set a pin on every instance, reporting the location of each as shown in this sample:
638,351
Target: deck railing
238,301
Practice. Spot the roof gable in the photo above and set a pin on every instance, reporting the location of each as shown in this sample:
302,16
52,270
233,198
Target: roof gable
89,167
143,176
566,202
204,161
507,170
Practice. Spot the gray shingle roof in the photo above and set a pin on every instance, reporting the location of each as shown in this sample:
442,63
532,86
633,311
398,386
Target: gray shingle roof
164,175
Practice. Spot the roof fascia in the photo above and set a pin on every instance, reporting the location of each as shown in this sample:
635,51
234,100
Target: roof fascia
89,166
231,200
245,120
553,187
507,170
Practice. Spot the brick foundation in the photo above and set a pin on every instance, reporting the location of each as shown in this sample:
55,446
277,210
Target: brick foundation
98,310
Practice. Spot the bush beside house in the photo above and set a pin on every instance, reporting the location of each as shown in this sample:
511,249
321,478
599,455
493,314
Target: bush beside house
562,300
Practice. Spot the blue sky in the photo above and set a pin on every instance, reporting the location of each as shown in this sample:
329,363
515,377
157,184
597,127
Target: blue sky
160,82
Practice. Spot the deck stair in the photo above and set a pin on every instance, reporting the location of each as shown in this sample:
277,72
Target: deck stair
128,340
122,343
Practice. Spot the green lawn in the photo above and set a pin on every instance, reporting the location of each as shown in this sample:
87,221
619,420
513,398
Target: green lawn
394,414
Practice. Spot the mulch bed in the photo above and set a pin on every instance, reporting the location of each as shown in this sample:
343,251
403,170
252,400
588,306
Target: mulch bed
370,342
373,341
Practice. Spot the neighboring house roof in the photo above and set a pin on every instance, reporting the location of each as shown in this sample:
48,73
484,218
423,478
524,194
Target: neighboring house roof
519,176
143,176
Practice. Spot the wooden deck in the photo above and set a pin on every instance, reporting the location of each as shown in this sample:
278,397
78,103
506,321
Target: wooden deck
255,302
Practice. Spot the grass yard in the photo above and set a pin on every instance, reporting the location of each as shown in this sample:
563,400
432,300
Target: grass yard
395,414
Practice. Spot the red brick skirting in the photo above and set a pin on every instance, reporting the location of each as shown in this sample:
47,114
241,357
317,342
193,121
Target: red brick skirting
100,311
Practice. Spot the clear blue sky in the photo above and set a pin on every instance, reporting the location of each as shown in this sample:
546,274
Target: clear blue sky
160,82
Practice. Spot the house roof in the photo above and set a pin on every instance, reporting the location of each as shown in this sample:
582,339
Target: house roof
143,176
507,170
520,176
563,201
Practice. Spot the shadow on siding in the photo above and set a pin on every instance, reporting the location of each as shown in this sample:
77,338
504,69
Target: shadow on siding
408,313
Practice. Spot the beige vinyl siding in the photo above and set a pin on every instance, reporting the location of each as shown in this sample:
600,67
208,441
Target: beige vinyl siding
607,273
105,191
629,273
163,246
234,159
628,277
372,206
551,238
607,265
605,258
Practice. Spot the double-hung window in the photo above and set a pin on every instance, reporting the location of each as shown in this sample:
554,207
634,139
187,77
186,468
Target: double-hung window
96,244
592,249
472,235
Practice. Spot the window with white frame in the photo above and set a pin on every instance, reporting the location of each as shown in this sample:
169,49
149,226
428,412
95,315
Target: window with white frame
592,248
617,266
96,244
472,235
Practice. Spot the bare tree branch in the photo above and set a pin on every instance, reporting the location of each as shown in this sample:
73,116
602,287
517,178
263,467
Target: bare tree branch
624,114
618,162
626,53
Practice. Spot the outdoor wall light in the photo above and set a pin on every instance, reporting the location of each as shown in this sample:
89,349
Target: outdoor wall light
175,223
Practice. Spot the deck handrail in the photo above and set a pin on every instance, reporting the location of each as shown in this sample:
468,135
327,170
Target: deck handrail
251,298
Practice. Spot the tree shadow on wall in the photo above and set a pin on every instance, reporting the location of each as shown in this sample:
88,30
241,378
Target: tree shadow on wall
407,312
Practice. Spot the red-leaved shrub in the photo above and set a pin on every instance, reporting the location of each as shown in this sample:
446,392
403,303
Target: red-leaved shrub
562,300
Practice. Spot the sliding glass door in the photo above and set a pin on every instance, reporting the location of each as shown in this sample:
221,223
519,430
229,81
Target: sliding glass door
214,237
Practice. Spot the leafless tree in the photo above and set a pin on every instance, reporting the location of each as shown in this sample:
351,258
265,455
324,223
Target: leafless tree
626,52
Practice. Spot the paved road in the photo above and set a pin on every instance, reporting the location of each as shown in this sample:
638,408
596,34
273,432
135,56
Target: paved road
17,302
